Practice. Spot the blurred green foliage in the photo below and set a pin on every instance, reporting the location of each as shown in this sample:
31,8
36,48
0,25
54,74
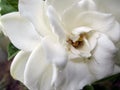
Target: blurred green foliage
12,51
8,6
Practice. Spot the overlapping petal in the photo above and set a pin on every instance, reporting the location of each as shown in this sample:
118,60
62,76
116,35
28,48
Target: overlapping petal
61,5
74,77
20,31
33,10
55,23
18,65
92,39
101,22
76,9
109,6
55,52
102,63
38,71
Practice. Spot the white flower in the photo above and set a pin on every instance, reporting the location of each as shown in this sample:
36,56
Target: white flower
65,44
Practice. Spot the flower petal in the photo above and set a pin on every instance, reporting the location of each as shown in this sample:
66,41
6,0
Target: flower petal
61,5
102,22
20,31
55,23
54,52
33,10
92,39
102,62
74,77
18,65
74,10
109,6
38,71
80,30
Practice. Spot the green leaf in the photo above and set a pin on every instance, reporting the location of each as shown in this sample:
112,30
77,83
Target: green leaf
8,6
12,51
108,83
88,87
110,78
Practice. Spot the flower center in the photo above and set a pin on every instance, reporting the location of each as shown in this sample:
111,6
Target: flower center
79,42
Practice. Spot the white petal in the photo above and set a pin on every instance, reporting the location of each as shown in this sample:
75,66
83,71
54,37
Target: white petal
102,22
92,39
54,52
80,30
75,9
38,71
74,77
20,31
61,5
109,6
83,52
33,10
55,23
90,42
18,65
102,62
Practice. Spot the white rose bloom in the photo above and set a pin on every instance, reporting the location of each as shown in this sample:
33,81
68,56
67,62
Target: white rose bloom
65,44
